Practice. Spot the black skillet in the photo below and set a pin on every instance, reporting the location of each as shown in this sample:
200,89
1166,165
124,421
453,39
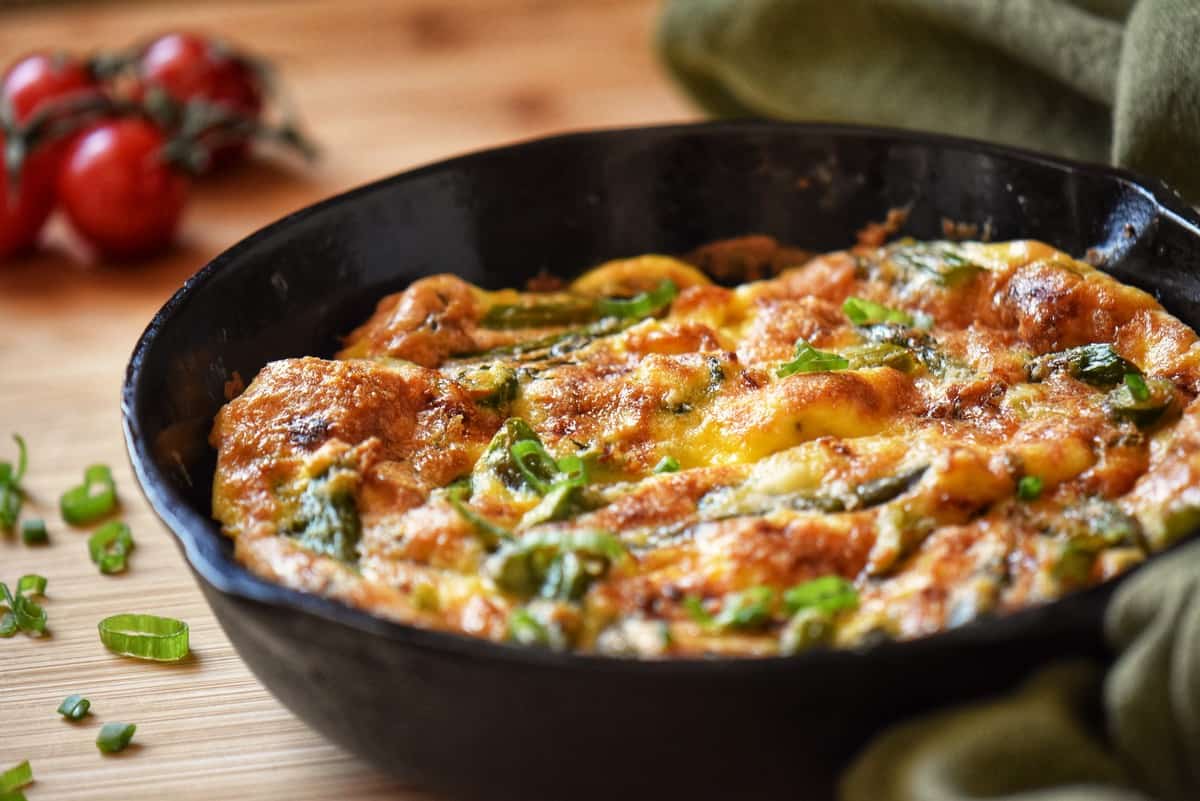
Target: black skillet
480,720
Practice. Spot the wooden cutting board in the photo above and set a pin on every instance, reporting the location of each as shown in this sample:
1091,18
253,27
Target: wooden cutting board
383,86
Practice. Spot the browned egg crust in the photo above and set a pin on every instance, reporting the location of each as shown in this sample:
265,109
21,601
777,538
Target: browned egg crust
880,442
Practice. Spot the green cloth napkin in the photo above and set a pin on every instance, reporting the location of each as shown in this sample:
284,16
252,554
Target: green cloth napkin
1042,743
1097,80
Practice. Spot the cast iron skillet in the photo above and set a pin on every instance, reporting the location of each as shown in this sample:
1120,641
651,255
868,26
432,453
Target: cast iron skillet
481,720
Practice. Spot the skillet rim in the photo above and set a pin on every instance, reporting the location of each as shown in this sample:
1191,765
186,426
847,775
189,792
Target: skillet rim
200,541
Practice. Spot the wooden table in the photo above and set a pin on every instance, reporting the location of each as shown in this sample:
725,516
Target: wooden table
384,86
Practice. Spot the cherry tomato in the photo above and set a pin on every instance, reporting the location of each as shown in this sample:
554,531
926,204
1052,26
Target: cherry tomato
189,66
118,191
43,77
24,208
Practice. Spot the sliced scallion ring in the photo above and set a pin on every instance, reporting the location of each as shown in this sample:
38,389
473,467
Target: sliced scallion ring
91,500
25,615
74,707
30,617
537,466
159,639
115,737
33,531
32,584
109,545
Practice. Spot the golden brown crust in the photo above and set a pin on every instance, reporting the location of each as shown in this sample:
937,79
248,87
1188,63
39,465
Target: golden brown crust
956,463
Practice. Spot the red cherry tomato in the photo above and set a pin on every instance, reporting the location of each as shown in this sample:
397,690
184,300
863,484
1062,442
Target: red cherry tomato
117,190
39,79
42,77
24,208
189,66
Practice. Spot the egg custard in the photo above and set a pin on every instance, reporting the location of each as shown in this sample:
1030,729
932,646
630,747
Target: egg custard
883,442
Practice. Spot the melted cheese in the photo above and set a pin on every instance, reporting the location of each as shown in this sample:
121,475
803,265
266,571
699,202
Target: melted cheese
939,475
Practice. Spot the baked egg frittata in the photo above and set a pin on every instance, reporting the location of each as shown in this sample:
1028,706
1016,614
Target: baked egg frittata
883,442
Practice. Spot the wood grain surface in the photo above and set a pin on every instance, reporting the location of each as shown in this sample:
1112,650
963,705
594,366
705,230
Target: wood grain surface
383,86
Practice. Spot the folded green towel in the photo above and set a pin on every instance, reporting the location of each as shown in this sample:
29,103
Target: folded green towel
1090,79
1044,743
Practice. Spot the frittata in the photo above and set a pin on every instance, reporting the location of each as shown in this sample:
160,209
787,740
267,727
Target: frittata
878,443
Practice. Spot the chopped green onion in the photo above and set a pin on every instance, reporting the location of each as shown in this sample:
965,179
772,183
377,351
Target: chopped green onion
1158,400
881,354
525,629
1029,488
1137,387
30,617
115,737
95,498
159,639
10,505
598,543
572,469
11,496
537,466
17,777
867,312
746,609
33,531
110,545
944,262
813,606
1098,364
921,344
696,611
23,614
560,481
827,594
489,533
32,584
641,305
560,503
326,519
808,359
808,628
667,464
553,564
1074,562
491,385
565,496
74,707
